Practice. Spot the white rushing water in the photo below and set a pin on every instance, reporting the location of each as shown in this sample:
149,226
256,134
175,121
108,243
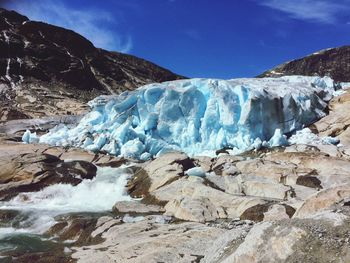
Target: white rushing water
39,209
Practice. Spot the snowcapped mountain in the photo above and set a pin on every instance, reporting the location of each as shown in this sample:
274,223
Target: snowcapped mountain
332,62
48,70
197,116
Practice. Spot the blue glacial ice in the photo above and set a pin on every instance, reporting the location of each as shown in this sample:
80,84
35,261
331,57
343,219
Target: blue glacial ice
196,116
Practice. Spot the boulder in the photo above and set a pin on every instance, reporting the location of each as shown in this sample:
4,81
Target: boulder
331,171
136,207
276,212
257,248
323,200
167,168
194,209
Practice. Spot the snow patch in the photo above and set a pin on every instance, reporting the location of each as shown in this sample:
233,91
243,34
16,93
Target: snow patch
26,43
7,76
7,38
7,22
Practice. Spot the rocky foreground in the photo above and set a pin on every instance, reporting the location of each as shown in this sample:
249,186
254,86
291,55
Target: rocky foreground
275,205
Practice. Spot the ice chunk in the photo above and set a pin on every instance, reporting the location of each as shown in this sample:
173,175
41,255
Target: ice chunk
132,149
344,85
257,144
278,139
29,137
131,219
305,136
197,116
195,171
145,156
26,136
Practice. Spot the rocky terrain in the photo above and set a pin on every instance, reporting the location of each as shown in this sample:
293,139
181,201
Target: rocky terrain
332,62
279,205
46,70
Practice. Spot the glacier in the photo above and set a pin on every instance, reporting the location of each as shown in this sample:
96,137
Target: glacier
196,116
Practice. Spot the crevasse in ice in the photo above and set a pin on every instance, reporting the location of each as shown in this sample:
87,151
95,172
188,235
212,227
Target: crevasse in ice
196,116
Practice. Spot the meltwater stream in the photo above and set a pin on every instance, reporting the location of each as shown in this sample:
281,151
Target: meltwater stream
35,212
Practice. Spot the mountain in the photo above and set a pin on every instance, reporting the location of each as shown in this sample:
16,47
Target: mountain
47,70
332,62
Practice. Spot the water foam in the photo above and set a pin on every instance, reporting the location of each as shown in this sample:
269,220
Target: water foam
39,209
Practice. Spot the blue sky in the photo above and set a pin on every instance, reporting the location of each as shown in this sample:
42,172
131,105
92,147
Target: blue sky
202,38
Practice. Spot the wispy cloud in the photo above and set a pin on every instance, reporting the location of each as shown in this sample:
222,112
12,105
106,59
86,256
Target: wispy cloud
91,23
193,34
322,11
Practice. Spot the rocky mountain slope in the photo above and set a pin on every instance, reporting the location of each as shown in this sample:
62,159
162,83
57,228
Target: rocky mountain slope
332,62
48,70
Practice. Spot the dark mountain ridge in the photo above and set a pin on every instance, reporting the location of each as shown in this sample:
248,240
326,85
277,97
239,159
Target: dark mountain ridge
49,70
332,62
